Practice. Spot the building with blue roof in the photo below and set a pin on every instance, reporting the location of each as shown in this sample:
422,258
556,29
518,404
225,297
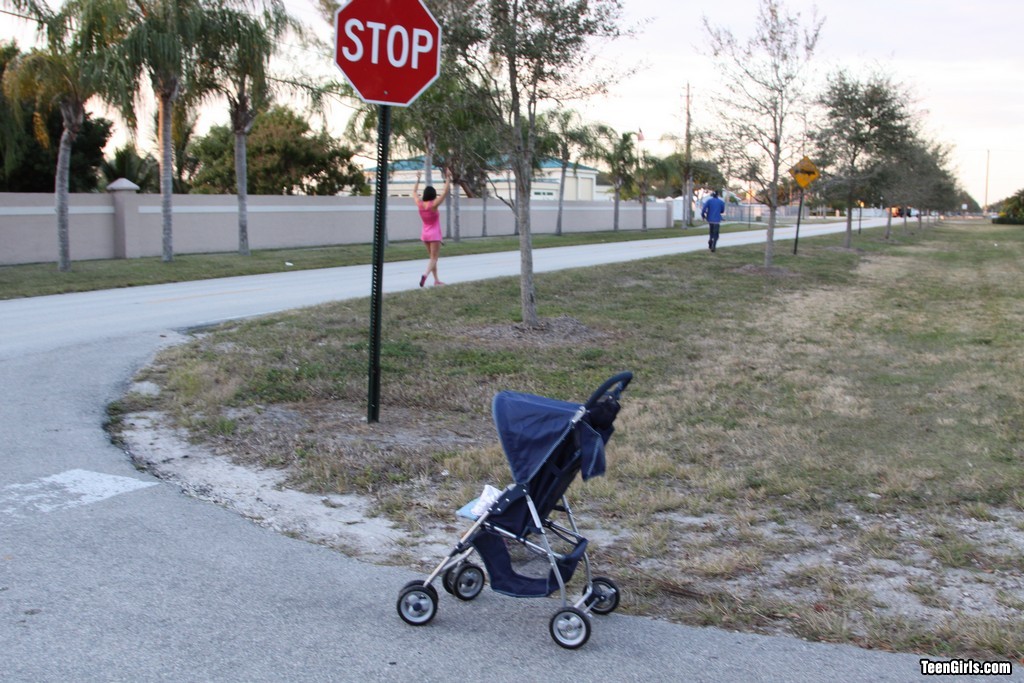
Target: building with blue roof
580,180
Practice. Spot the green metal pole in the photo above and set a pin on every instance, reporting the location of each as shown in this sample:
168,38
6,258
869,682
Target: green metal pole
799,215
380,206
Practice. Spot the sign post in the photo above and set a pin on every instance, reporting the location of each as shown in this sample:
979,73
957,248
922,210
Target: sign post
390,51
804,173
380,205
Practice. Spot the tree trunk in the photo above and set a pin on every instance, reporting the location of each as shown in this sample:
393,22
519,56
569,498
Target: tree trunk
448,216
524,175
455,206
523,149
428,158
688,202
615,214
72,124
848,238
511,180
483,218
888,225
242,186
561,197
643,212
773,208
166,174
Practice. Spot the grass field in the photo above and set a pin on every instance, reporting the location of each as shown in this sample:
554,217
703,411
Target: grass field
832,450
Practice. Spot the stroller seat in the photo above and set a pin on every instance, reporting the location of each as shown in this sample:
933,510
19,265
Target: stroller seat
507,581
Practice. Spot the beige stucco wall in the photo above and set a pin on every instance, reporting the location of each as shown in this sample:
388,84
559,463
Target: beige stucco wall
28,227
209,223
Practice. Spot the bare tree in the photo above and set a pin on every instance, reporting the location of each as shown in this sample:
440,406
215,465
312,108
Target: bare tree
763,80
536,50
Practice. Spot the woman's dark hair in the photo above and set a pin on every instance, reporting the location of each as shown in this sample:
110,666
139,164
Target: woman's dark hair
429,194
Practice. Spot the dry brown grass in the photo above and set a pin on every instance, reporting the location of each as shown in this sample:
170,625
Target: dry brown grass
835,453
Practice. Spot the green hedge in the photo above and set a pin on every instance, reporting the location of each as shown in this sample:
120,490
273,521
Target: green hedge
1004,219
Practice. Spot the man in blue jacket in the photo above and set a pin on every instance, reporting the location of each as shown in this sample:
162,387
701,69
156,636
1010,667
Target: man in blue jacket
712,213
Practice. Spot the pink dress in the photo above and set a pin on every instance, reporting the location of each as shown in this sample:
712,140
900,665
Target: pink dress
431,218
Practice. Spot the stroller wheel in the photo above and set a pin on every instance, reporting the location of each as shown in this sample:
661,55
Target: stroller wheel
570,628
448,580
417,603
605,596
468,582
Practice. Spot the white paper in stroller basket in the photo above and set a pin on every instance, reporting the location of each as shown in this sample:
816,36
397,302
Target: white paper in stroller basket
486,499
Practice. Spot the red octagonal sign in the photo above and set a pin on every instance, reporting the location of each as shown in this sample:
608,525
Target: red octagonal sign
389,50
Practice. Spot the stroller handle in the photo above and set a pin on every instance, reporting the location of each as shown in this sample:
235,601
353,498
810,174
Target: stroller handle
623,378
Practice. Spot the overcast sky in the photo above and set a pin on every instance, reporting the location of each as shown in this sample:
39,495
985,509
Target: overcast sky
962,65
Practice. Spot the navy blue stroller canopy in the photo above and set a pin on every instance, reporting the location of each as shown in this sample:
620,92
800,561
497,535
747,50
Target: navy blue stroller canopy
531,428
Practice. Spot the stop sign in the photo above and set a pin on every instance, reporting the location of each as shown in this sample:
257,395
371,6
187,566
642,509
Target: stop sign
389,50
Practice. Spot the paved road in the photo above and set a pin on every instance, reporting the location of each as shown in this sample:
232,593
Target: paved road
107,574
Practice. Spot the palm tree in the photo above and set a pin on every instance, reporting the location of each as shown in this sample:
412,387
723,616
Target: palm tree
13,142
74,67
649,170
620,156
165,43
246,44
127,163
564,135
184,121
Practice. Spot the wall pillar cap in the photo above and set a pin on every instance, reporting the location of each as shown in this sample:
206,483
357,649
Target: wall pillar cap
122,185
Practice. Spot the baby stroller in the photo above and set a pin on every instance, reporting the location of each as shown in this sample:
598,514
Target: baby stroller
547,443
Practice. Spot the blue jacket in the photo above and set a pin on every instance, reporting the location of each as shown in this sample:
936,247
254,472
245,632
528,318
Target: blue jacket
712,210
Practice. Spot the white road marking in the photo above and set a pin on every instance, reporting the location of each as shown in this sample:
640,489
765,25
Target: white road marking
69,489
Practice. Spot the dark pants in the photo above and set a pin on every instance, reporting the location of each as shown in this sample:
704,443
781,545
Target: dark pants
713,234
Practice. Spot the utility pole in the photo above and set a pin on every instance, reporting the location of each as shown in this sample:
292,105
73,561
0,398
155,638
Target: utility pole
688,170
988,158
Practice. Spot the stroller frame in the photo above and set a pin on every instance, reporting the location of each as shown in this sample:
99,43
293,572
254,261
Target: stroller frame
521,515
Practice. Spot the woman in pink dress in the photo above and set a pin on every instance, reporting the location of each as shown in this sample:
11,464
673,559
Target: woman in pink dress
431,217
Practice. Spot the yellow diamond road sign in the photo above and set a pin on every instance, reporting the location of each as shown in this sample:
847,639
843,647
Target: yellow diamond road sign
805,172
